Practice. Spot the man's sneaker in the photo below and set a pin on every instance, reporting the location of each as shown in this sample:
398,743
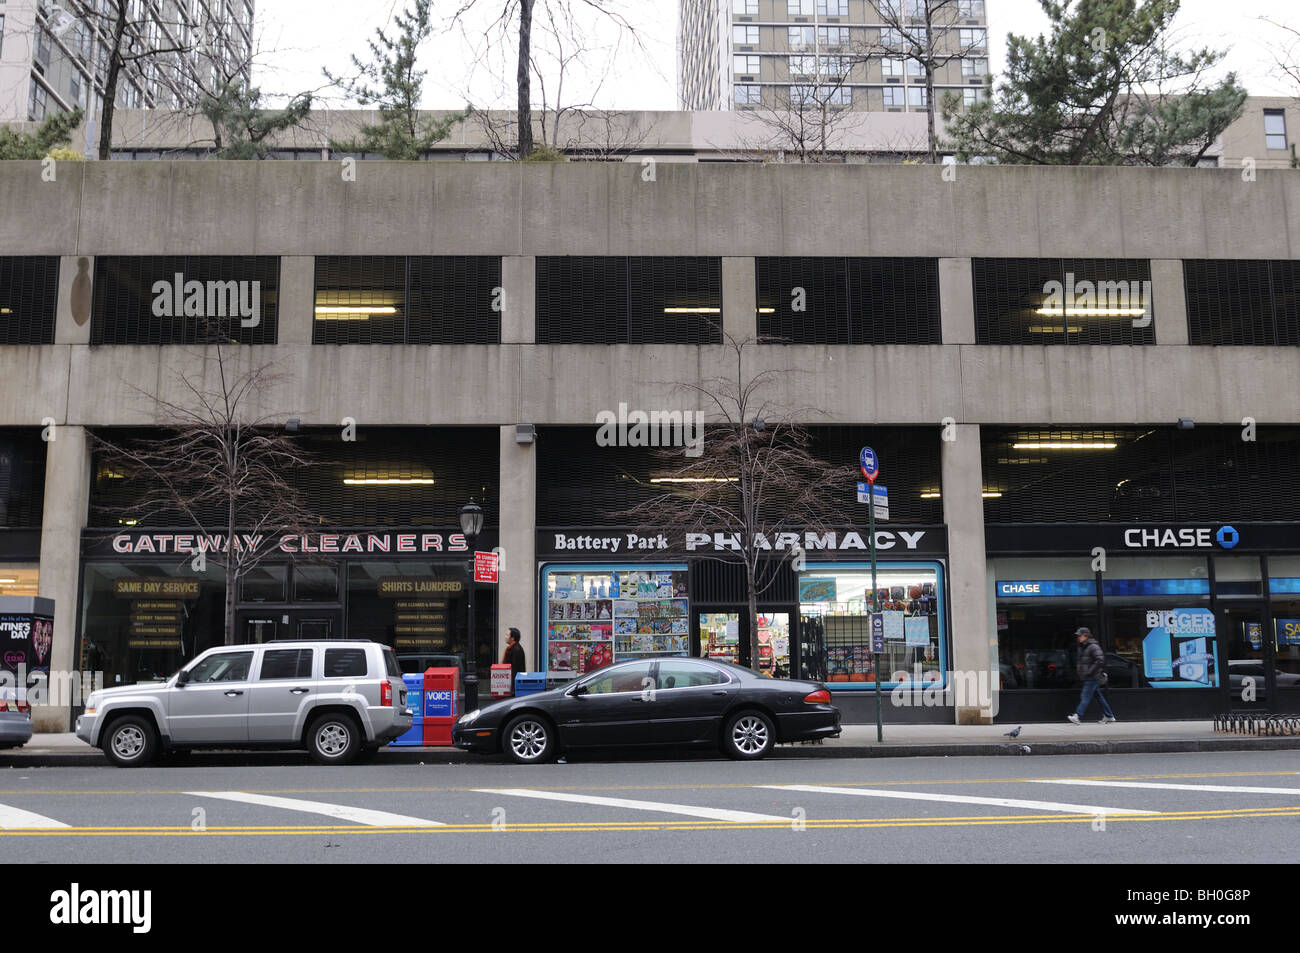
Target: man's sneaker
1107,720
1073,718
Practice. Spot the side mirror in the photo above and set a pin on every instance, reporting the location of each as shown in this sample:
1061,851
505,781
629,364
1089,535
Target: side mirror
182,678
577,691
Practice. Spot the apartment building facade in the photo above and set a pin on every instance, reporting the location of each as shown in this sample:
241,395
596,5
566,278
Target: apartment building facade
55,57
856,54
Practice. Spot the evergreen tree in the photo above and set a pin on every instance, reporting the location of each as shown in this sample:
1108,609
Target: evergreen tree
1103,88
241,126
55,131
391,82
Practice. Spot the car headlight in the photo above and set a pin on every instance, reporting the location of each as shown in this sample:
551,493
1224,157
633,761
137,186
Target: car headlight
92,703
471,717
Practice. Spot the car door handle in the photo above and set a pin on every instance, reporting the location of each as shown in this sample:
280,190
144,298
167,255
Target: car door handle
720,692
299,691
233,692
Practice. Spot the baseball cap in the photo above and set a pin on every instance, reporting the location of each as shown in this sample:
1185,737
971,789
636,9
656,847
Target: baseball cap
1083,630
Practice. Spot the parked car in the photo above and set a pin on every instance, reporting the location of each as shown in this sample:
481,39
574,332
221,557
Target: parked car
340,700
671,701
15,720
1049,668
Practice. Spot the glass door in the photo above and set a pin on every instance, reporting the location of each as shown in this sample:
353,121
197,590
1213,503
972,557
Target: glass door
1245,656
720,636
773,652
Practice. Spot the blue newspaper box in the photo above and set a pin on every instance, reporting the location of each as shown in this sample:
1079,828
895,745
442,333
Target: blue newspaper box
529,683
415,702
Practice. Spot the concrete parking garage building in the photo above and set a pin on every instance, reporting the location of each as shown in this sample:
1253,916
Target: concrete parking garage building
1053,459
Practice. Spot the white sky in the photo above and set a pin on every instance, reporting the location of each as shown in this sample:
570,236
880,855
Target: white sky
298,37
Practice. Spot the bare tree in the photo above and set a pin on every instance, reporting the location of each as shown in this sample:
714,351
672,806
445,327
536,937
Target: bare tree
222,465
516,21
1286,54
924,32
757,476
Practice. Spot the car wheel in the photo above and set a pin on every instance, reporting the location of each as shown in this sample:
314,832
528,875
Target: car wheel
334,739
131,741
529,739
749,735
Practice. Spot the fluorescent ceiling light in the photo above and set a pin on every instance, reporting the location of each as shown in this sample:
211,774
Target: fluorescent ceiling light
1054,328
935,495
8,580
6,311
695,479
692,311
1072,312
388,481
351,312
1065,445
127,522
767,310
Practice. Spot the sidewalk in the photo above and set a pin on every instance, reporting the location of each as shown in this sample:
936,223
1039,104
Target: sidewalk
856,741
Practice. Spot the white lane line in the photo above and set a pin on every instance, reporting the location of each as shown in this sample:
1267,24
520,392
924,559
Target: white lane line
16,817
342,812
712,813
960,799
1156,786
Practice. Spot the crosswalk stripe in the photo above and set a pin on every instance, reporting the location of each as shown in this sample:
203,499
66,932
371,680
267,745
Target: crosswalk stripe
1157,786
712,813
16,817
343,812
958,799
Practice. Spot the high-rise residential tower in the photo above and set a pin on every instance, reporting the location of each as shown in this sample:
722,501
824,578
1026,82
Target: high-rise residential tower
55,56
863,54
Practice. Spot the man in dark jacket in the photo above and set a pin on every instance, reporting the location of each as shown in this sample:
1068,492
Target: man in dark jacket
1092,673
514,656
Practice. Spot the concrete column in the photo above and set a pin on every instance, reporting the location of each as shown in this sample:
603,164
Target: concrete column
297,299
739,298
517,588
956,301
963,511
67,497
519,316
1170,296
72,317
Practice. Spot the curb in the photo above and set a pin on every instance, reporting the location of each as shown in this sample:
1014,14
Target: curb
427,756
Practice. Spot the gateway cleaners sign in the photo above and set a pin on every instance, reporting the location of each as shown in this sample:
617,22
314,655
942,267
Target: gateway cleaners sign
190,543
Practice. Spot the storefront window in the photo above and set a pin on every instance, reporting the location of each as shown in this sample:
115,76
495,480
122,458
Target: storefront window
720,636
141,621
835,605
414,606
1284,585
1040,604
773,644
594,616
265,584
1161,631
315,583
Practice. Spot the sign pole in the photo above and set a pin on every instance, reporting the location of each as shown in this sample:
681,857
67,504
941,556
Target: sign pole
875,608
869,463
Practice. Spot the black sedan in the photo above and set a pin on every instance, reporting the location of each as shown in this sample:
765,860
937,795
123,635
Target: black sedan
669,701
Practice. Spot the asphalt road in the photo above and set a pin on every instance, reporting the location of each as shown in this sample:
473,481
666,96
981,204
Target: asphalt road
1111,809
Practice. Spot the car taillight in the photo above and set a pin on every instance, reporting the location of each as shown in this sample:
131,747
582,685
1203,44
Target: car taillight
24,707
819,697
386,694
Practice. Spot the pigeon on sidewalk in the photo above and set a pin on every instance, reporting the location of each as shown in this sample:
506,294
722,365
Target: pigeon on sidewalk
1013,734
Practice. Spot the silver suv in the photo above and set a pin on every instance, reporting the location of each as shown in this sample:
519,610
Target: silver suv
340,700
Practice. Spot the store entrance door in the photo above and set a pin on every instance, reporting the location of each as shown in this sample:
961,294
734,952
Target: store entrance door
1246,656
720,636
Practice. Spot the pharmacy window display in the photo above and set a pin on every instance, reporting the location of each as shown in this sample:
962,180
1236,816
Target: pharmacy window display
835,603
597,615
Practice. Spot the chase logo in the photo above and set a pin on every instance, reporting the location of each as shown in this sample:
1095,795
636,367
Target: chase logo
1227,537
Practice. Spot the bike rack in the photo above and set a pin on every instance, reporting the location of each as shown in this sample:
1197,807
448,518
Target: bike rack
1245,723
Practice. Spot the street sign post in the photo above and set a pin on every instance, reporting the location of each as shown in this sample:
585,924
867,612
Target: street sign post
870,465
877,496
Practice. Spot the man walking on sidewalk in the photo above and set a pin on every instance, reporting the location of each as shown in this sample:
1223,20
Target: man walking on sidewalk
1092,673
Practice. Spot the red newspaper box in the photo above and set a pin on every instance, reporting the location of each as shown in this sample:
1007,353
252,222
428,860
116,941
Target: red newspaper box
441,692
500,683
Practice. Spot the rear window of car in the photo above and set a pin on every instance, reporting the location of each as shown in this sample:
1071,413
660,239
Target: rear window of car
286,663
345,663
390,663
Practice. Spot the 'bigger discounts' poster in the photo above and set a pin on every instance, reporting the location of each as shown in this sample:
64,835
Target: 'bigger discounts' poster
1179,649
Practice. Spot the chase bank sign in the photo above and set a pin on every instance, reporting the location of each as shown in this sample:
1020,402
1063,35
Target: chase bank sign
1186,537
